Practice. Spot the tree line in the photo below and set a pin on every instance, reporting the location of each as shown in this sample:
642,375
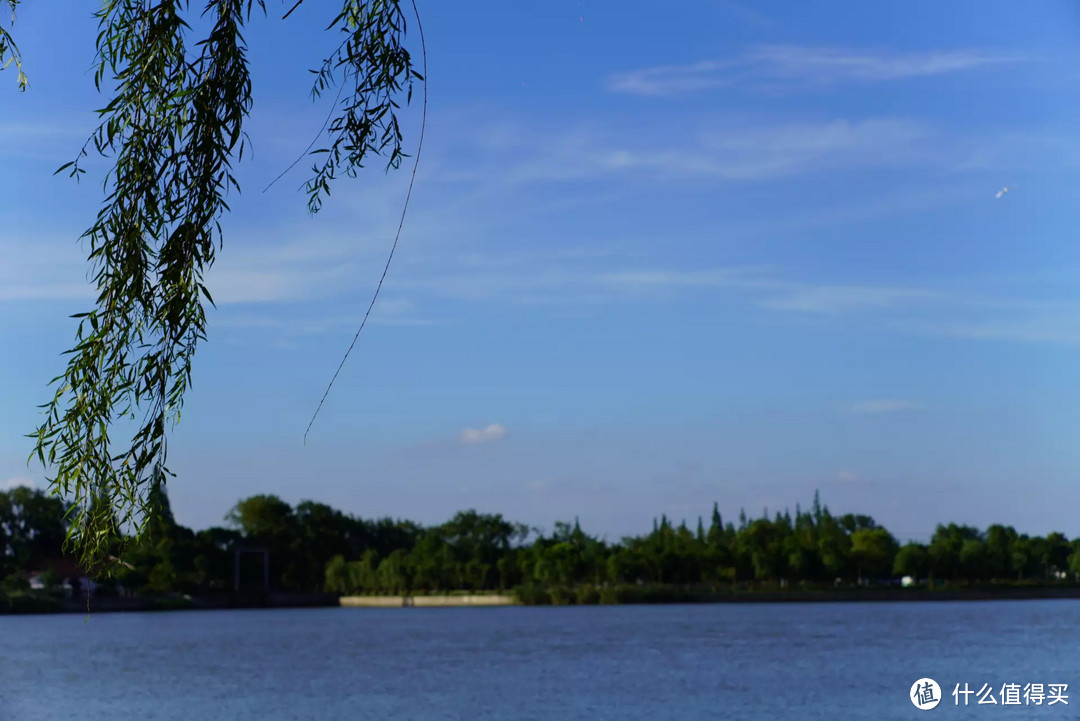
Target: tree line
314,547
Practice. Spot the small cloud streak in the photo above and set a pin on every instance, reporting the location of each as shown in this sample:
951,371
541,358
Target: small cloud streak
883,406
746,153
847,298
847,476
16,482
795,65
475,437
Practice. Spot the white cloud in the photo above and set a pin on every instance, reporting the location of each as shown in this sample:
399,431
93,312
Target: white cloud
15,482
473,436
847,476
50,268
883,406
795,65
823,64
847,298
655,278
746,15
727,149
576,281
44,140
746,153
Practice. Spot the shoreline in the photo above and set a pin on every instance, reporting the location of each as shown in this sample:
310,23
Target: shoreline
678,597
489,600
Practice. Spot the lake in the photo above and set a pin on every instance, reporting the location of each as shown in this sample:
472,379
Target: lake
752,661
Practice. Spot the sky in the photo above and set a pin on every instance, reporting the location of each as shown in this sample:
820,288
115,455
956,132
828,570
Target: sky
657,255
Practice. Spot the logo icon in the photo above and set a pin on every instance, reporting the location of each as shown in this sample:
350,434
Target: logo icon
925,694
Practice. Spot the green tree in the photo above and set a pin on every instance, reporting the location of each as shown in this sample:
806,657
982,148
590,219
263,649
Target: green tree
973,559
33,526
912,560
50,579
945,549
269,521
999,548
834,547
15,583
321,534
336,576
1074,560
264,517
874,551
1055,556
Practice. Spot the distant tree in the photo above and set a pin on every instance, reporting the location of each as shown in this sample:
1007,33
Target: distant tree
1023,557
834,547
973,560
15,583
873,550
1074,560
321,534
764,545
945,548
1056,550
33,525
50,579
336,576
912,560
999,549
263,517
393,573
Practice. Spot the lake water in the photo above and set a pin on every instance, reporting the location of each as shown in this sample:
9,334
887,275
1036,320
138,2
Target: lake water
684,663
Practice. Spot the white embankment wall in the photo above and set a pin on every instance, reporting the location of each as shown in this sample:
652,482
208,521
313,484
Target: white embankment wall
426,601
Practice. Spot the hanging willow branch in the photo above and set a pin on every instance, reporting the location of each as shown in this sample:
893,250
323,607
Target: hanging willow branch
173,128
9,51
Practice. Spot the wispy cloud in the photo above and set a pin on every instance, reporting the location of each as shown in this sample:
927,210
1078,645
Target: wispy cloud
801,66
49,268
846,298
44,141
883,406
278,289
650,279
721,148
477,436
746,15
777,151
15,482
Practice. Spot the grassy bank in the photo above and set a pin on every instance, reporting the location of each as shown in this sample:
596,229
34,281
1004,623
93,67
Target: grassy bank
40,602
29,602
658,594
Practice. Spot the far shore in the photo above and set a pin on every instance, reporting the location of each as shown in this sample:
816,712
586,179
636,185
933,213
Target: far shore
648,596
852,595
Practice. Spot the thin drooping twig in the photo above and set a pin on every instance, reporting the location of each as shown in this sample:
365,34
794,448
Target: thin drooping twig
314,140
298,3
401,223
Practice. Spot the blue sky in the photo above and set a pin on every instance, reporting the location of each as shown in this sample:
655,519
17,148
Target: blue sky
657,255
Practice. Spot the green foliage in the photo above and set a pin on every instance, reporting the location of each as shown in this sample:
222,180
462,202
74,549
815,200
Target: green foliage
873,551
15,583
912,560
173,126
9,51
372,59
314,547
50,579
32,526
29,603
